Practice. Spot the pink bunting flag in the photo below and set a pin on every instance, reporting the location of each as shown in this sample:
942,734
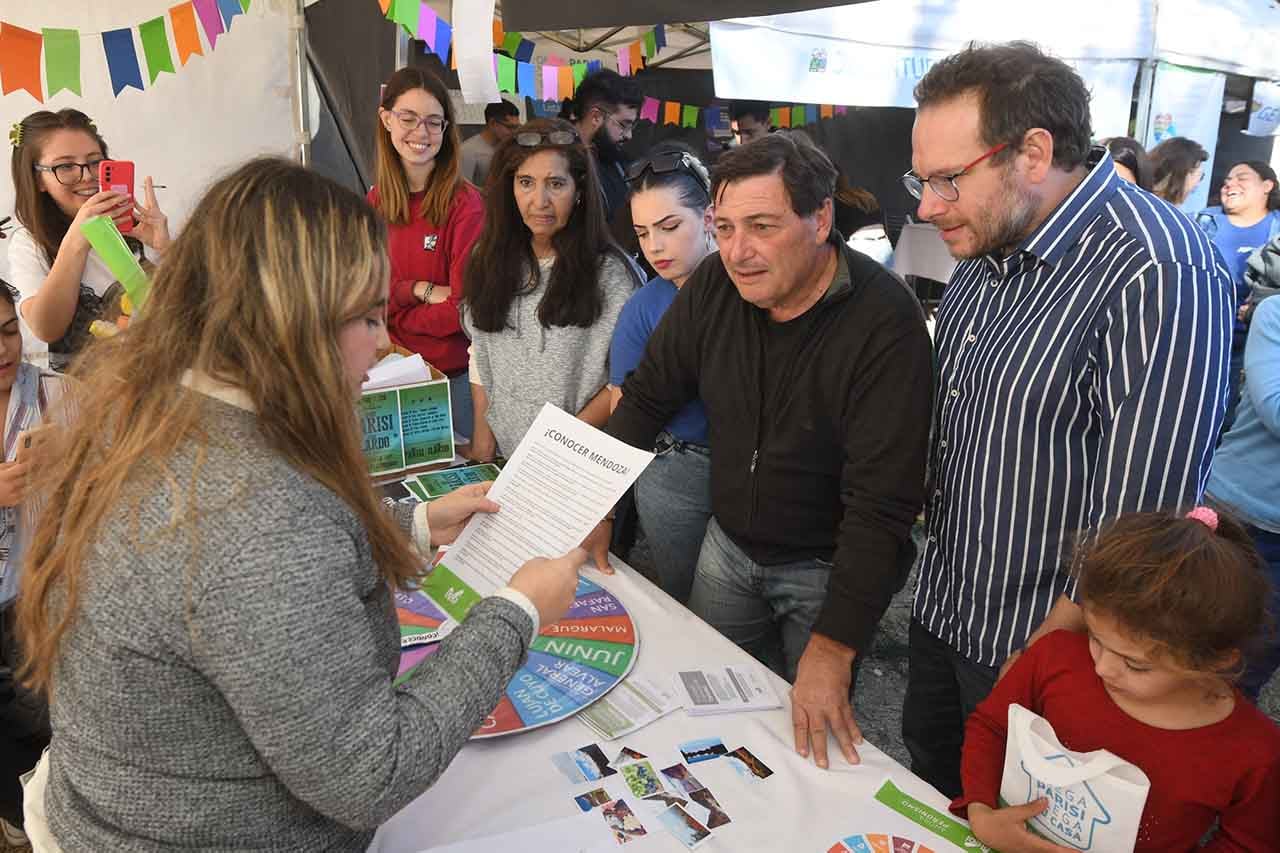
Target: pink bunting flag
624,61
427,25
211,18
841,110
649,110
550,82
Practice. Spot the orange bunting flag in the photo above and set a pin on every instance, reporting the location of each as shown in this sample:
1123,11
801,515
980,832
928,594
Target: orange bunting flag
826,111
564,75
385,4
20,60
637,56
185,35
499,34
671,113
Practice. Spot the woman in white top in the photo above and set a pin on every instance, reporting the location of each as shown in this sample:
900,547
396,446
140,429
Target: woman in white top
61,281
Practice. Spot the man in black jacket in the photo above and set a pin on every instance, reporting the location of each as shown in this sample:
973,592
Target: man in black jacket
815,369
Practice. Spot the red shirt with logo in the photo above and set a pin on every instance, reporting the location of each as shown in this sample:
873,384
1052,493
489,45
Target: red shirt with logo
434,252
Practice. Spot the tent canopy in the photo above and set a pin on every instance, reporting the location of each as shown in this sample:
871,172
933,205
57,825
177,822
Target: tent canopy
567,14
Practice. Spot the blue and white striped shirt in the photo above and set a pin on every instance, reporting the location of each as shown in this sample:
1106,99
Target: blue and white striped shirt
1081,378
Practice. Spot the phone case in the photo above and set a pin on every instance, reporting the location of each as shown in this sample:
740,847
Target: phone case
117,176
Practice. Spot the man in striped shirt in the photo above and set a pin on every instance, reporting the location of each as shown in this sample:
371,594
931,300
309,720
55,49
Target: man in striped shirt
1082,348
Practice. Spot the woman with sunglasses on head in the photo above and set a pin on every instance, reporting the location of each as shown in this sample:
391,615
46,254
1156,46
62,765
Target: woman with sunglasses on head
61,281
671,213
433,219
544,288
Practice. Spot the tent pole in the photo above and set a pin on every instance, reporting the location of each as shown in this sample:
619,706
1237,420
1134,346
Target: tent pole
298,73
1146,90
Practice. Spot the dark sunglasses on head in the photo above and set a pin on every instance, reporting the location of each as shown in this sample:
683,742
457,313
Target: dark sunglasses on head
532,139
668,161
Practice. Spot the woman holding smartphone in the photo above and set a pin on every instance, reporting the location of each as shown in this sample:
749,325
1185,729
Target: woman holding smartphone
61,281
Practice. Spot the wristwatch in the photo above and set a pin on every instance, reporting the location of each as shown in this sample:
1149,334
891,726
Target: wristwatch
426,296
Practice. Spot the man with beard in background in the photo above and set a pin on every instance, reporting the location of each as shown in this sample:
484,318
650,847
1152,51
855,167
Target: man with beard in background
605,110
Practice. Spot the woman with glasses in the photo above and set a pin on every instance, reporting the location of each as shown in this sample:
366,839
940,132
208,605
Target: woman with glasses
1177,167
544,288
671,214
433,219
63,285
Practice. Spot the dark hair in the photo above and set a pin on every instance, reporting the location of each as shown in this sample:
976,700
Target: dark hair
759,110
499,110
503,262
603,88
1196,593
1019,87
690,180
807,175
1128,152
36,210
446,174
9,294
1171,162
1264,171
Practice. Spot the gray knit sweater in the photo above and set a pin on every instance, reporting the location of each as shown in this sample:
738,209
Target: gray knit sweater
526,365
228,683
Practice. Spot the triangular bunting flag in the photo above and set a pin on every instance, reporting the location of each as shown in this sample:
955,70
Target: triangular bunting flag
649,110
20,60
122,60
155,45
210,19
229,9
689,117
671,113
62,60
185,35
637,60
506,74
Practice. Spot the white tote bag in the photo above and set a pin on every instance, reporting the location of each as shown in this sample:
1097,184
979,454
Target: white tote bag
1095,798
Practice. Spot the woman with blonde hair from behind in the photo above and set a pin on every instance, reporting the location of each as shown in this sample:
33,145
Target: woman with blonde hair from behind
210,609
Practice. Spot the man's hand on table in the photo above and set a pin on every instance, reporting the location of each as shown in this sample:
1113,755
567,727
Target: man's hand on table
597,545
447,516
820,700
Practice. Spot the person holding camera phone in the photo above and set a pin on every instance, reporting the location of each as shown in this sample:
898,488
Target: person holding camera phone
62,283
26,393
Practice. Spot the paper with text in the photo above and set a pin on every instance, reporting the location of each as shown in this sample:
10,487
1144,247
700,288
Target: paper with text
563,478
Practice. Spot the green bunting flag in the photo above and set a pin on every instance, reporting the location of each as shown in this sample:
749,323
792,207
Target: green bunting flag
62,60
155,45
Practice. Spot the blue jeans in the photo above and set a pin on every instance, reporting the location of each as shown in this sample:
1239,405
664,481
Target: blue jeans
767,610
464,417
1260,667
673,500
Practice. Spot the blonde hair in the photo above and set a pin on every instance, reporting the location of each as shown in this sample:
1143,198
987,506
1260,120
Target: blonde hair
273,262
390,177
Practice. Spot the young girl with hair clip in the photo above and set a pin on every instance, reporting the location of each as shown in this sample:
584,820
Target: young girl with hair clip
210,611
433,219
61,281
1170,603
671,214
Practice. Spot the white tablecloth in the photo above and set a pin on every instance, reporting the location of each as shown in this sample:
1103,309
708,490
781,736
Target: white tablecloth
499,785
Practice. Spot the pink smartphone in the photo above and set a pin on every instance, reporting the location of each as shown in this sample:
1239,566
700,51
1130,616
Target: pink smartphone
117,176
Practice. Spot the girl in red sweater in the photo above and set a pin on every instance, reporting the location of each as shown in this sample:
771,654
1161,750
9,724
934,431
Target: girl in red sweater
1169,603
433,218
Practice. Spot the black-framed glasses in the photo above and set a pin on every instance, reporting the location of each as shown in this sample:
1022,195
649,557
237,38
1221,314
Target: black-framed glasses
668,161
409,120
627,127
532,138
70,174
945,185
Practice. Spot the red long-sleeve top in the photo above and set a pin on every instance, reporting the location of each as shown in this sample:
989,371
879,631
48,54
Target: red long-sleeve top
434,252
1229,769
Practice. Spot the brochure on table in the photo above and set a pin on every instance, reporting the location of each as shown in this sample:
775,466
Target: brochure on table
405,416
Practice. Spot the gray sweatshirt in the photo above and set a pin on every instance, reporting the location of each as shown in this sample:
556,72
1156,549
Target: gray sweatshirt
227,684
526,365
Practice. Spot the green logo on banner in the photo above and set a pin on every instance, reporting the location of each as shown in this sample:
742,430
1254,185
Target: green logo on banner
930,818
